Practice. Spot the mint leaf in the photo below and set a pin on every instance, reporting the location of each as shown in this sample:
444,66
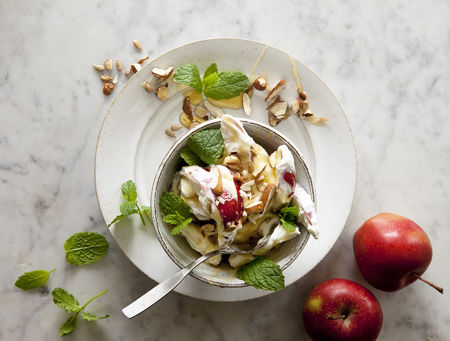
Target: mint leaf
33,279
188,74
207,144
170,203
90,317
116,219
63,299
210,76
177,229
262,273
227,85
129,191
85,248
190,157
174,219
128,207
288,217
69,326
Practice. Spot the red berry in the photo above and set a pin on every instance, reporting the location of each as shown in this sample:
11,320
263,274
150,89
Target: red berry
231,210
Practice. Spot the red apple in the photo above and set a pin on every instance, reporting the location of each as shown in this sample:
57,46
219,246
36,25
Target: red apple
392,251
342,310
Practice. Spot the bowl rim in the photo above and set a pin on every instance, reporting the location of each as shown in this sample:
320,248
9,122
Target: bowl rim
158,177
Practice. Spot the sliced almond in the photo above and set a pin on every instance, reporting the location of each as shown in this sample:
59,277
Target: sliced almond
258,172
295,106
237,177
316,119
305,106
162,74
232,162
279,110
118,65
256,207
260,83
185,120
98,67
247,187
246,104
218,188
267,194
115,80
276,90
201,112
187,107
135,67
273,101
108,64
137,44
273,120
273,160
127,71
106,78
147,87
170,133
261,187
162,93
215,111
142,60
175,127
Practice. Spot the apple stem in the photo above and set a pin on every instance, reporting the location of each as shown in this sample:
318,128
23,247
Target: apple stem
438,288
335,316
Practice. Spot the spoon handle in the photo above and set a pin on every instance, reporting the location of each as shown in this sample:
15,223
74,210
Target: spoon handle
162,289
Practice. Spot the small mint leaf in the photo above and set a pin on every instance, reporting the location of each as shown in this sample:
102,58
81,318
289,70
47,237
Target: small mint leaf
262,273
170,203
91,317
63,299
129,191
177,229
207,144
33,279
227,85
128,207
190,157
188,74
85,248
69,326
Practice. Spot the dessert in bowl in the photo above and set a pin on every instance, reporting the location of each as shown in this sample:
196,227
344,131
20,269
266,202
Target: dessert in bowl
236,181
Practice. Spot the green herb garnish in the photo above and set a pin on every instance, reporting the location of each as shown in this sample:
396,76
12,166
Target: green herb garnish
207,144
288,217
33,279
176,211
130,206
85,248
215,85
262,273
190,157
63,299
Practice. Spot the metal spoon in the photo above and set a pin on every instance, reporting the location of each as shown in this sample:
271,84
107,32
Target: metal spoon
162,289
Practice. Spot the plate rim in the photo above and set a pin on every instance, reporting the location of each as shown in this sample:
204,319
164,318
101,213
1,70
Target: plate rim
262,44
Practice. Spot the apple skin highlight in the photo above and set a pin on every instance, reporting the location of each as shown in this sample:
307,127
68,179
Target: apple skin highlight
391,251
342,310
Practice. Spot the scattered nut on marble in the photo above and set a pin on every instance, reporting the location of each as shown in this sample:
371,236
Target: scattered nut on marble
118,65
106,78
142,60
98,67
147,87
135,67
108,88
108,64
170,133
138,44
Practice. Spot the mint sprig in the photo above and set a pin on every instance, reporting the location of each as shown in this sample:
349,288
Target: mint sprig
176,211
190,157
65,300
85,248
215,85
130,206
33,279
262,273
288,217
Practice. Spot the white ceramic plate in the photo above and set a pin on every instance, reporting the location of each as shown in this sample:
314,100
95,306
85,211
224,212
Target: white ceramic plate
132,142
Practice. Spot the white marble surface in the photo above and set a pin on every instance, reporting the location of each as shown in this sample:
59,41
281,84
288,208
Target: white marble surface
386,62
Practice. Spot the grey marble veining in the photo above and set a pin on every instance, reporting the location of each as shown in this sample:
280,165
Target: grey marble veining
387,62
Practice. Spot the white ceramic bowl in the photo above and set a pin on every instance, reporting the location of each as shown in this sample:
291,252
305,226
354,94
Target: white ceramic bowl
177,247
